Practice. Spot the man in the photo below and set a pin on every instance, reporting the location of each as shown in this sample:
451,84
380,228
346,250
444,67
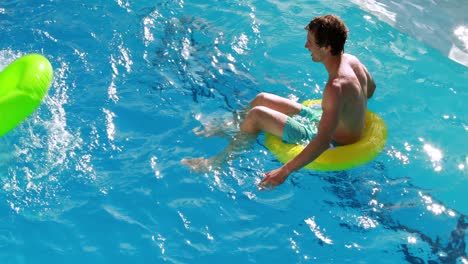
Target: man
344,104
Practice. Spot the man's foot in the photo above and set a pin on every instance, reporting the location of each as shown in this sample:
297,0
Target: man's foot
221,127
199,165
216,128
210,130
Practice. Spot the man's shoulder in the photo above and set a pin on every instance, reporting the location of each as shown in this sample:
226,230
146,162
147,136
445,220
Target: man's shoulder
351,57
343,81
337,82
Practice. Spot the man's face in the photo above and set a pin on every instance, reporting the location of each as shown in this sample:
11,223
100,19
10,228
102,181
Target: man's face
316,52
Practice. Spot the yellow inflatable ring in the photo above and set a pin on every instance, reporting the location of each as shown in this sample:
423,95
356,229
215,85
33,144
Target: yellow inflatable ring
341,157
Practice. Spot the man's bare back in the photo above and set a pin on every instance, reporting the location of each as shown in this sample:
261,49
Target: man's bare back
356,87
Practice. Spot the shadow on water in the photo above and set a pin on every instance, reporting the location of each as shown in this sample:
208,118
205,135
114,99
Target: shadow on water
435,234
193,57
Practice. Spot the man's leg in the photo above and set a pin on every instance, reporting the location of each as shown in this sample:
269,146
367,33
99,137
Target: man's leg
262,118
270,101
277,103
258,119
268,112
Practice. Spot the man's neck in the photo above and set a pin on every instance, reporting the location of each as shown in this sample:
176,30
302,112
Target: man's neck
332,64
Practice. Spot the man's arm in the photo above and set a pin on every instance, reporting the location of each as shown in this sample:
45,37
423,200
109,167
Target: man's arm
326,129
370,83
331,105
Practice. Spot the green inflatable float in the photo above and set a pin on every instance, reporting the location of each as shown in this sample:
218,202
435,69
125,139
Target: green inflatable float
23,85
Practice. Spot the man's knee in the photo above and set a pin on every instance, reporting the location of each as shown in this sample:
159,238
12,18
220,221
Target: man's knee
260,99
256,112
252,122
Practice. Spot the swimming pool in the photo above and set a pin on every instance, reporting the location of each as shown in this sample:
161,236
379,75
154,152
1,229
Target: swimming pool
94,175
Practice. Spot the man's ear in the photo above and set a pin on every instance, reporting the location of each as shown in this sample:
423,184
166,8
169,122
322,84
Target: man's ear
328,49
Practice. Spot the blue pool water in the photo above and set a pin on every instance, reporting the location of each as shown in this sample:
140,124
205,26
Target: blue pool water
94,175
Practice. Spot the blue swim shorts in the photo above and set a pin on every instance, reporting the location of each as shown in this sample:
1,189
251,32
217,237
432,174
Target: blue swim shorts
302,128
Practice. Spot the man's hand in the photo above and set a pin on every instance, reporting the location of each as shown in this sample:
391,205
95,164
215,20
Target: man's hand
273,178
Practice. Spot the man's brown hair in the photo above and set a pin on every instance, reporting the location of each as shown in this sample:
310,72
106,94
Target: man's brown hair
329,30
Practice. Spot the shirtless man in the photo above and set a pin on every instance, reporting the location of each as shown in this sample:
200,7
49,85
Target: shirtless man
344,101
